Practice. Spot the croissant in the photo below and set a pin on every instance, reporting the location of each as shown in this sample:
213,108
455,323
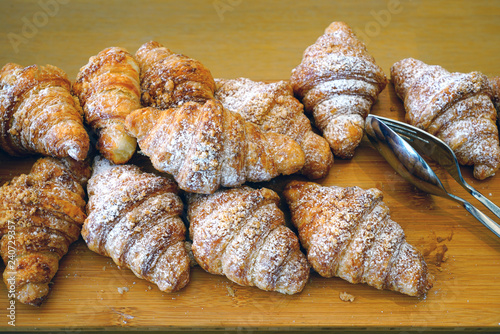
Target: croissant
133,217
241,233
272,107
38,114
41,214
169,79
205,146
338,82
348,233
109,89
455,107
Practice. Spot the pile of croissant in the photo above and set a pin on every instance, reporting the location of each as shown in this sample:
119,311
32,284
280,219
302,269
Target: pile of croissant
211,136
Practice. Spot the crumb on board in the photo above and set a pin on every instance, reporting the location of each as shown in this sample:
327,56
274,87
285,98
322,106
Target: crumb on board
441,255
346,297
448,237
121,290
230,291
434,248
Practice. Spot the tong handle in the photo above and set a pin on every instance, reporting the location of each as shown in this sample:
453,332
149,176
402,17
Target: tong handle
484,219
485,201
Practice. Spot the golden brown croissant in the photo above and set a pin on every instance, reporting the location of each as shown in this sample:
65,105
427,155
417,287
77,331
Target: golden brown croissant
38,114
205,146
109,89
455,107
41,214
133,217
348,233
338,82
168,79
272,107
241,233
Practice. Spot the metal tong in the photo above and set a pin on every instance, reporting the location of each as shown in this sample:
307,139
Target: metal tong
401,153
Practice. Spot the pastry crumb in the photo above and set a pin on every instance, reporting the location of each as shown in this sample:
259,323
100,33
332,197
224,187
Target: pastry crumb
346,297
441,255
230,291
122,290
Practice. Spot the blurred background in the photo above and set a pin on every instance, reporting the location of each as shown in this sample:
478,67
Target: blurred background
255,39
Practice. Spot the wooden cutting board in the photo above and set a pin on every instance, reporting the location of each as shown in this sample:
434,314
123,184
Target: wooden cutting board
89,291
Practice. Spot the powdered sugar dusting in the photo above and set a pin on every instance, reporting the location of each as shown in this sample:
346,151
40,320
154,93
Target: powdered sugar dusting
240,233
335,66
347,233
133,217
38,113
456,107
206,146
272,107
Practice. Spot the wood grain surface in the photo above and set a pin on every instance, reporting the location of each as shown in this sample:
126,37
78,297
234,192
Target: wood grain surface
264,41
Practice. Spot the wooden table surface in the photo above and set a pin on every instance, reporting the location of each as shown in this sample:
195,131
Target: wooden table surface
264,40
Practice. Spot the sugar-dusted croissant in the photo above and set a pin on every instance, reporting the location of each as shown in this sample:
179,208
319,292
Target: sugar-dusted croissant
272,107
38,114
241,233
169,79
348,233
455,107
109,89
133,217
338,82
205,146
41,214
